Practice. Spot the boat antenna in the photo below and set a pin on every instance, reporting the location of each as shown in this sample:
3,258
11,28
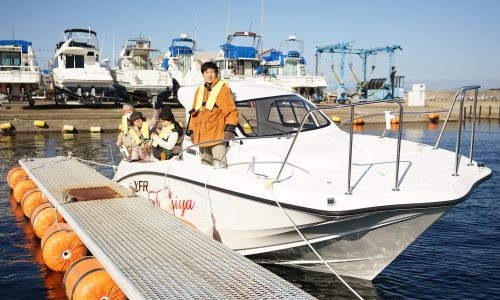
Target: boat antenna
195,24
228,17
262,27
13,34
102,44
113,49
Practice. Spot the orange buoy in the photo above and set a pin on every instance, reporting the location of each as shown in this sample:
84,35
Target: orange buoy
87,279
187,222
31,198
15,174
434,118
358,121
43,216
395,120
21,187
358,128
61,247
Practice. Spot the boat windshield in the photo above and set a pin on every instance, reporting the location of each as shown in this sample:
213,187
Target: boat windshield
277,116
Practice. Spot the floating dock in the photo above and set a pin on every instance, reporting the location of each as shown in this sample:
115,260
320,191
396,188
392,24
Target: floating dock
149,253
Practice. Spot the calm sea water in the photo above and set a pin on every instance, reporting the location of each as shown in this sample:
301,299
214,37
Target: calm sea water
457,258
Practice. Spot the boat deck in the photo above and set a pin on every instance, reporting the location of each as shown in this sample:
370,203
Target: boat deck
148,252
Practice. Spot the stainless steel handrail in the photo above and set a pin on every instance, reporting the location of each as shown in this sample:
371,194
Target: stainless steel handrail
352,106
461,91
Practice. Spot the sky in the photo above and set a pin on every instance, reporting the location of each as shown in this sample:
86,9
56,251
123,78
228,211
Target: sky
446,44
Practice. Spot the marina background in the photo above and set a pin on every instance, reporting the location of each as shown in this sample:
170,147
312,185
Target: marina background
457,258
446,44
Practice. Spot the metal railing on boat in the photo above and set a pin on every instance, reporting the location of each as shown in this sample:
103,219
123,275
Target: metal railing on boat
461,92
352,107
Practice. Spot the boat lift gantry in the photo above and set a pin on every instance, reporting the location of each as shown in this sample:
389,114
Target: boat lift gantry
346,48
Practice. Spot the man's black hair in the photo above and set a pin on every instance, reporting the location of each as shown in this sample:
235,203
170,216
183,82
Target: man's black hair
209,65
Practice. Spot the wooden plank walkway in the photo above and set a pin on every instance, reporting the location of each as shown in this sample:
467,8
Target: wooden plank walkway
148,252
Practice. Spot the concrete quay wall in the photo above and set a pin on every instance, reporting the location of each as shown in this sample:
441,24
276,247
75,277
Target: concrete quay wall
108,118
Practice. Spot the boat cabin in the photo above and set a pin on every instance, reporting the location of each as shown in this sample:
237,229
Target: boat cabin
240,54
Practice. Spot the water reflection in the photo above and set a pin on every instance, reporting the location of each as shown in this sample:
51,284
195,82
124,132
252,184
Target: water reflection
22,269
324,285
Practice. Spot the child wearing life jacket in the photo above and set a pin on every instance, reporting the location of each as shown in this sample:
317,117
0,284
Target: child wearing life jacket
140,131
167,142
123,137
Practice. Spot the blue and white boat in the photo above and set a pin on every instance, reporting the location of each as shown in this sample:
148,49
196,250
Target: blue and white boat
181,63
287,68
239,56
20,77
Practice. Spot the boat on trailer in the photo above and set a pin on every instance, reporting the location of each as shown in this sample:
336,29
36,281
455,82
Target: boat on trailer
287,68
138,76
76,70
20,77
181,63
359,200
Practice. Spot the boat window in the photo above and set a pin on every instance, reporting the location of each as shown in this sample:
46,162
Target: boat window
140,62
79,61
70,61
277,116
184,63
291,68
74,61
10,58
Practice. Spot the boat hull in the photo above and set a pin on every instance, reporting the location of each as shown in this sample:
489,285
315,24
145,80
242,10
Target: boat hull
17,83
359,247
356,245
142,83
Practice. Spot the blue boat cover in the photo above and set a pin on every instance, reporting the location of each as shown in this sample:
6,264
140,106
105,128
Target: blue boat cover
232,51
20,43
165,64
180,50
278,56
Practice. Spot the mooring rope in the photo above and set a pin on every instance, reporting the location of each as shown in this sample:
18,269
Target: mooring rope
310,246
91,162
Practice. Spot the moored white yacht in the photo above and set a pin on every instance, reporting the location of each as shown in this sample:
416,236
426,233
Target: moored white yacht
138,75
359,200
181,63
20,77
287,68
75,67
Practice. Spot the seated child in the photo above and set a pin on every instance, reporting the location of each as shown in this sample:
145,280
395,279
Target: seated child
167,142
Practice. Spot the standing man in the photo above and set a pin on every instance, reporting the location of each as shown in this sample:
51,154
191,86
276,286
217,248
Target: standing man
212,117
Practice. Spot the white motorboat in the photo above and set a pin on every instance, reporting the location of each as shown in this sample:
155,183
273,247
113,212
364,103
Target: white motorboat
75,67
181,63
20,77
287,68
137,75
359,200
239,56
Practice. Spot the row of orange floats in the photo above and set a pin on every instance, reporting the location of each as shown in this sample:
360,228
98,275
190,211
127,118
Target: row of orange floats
433,118
62,250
